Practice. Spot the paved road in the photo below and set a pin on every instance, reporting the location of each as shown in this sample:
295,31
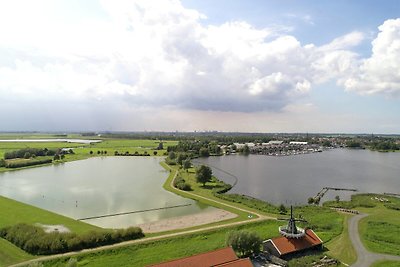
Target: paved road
146,239
364,257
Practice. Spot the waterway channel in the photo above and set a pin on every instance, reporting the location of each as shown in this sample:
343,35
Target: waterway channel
292,179
100,186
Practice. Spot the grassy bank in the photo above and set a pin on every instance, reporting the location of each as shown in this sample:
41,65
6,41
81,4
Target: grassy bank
380,230
164,250
13,212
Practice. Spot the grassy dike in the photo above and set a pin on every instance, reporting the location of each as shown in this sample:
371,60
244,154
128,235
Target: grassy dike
13,212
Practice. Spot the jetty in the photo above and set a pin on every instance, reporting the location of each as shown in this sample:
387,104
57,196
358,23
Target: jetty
324,190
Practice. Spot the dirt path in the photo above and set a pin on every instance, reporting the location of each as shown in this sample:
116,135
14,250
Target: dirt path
364,257
147,239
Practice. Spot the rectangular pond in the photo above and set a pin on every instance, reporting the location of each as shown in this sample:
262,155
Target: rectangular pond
100,186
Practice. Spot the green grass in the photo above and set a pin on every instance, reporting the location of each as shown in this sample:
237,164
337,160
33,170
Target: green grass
386,264
340,247
13,212
164,250
10,254
380,231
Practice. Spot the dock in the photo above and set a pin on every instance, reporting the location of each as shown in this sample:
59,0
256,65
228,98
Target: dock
324,190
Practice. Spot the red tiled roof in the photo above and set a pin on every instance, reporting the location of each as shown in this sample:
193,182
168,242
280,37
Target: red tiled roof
207,259
289,245
237,263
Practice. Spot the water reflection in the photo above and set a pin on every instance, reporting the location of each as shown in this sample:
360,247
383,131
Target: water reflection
99,186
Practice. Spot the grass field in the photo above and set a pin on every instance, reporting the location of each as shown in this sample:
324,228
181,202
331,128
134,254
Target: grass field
13,212
386,264
380,231
341,247
164,250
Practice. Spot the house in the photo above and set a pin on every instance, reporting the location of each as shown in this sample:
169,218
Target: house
224,257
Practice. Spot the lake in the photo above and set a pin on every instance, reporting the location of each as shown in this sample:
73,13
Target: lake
100,186
292,179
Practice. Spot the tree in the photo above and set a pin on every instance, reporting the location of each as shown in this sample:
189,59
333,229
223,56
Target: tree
203,152
246,150
155,153
2,163
91,152
186,164
203,174
337,198
244,243
160,146
172,155
282,209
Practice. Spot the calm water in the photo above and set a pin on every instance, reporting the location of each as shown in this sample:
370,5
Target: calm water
292,179
99,186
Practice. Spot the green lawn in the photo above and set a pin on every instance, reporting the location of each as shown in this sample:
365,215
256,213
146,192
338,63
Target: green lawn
386,264
13,212
164,250
10,254
340,247
380,231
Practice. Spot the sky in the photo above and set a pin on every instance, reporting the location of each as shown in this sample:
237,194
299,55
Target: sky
200,65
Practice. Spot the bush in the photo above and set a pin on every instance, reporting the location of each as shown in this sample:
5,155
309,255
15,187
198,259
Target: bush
181,184
2,163
35,241
20,164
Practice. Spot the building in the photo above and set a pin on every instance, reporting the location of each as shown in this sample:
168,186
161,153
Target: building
224,257
284,247
293,240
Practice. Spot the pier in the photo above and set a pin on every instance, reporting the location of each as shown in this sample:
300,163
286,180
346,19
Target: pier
321,193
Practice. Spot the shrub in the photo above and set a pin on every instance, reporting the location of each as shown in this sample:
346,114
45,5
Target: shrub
181,184
35,241
20,164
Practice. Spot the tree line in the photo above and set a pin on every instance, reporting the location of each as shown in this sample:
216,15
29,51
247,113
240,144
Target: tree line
29,152
36,241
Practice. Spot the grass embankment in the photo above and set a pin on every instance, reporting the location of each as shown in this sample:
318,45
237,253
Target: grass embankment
386,264
341,247
13,212
168,249
380,231
205,194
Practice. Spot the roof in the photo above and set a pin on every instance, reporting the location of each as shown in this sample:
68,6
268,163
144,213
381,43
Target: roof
237,263
212,258
286,245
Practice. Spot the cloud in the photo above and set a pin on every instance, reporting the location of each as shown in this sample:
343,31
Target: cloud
160,54
379,74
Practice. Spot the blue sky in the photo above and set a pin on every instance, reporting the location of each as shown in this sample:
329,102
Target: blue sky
249,66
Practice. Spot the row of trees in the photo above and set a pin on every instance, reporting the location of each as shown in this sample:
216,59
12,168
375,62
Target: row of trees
34,240
30,152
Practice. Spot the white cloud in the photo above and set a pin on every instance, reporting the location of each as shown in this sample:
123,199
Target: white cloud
380,72
158,53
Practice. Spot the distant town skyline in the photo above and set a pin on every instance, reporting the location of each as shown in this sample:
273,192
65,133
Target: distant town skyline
191,65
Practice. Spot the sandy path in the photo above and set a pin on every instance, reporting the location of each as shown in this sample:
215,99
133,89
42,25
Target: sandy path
187,221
